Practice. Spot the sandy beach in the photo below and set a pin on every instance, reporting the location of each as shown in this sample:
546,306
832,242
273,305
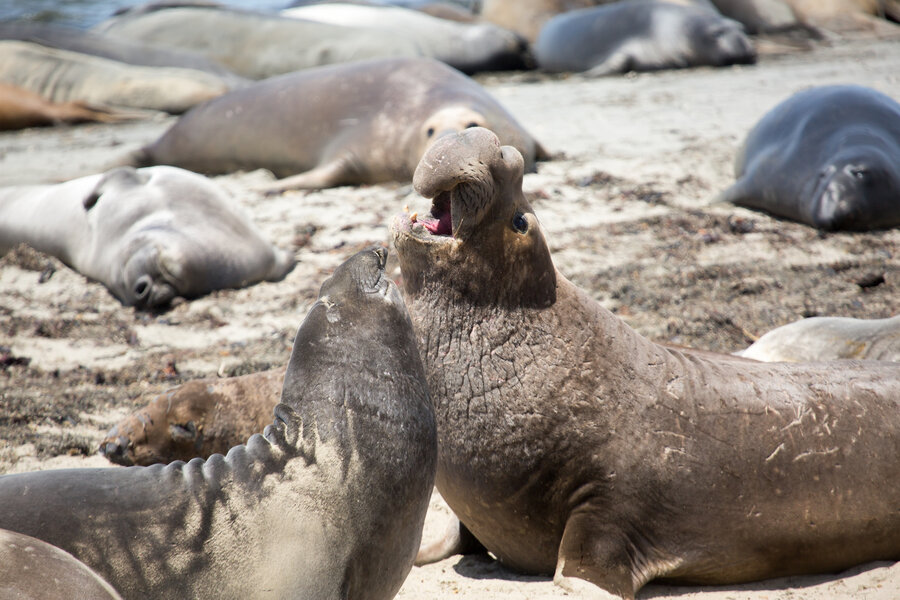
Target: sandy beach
628,206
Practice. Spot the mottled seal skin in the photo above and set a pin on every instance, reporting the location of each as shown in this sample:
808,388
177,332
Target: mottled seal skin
148,235
376,134
34,570
196,419
828,157
253,45
328,503
469,47
21,108
570,444
829,338
640,36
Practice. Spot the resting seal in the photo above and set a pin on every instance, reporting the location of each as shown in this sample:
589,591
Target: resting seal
640,36
376,134
570,444
34,570
197,419
21,108
328,503
148,235
829,338
828,157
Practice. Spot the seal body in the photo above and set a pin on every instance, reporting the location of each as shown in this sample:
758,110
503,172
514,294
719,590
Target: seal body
34,570
570,444
148,235
197,419
828,157
376,133
829,338
329,503
21,108
640,36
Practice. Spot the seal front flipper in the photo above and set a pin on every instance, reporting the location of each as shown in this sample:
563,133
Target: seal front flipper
330,174
287,432
456,539
117,178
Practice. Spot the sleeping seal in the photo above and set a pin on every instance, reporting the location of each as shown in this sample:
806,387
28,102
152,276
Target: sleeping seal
570,444
328,503
828,157
21,108
640,36
375,134
148,235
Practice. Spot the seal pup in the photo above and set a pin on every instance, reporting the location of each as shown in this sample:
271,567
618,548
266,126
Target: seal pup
571,445
34,570
196,419
21,108
328,503
828,157
148,235
377,133
640,36
829,338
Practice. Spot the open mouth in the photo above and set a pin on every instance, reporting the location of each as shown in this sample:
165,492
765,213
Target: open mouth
440,222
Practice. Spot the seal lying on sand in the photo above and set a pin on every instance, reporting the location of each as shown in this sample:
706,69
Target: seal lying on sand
568,443
328,503
640,36
148,235
34,570
828,157
375,134
197,419
21,108
829,338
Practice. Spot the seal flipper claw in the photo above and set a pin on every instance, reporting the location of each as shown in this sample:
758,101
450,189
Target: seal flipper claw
288,433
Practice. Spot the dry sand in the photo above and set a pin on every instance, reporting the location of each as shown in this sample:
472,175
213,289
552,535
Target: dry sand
628,207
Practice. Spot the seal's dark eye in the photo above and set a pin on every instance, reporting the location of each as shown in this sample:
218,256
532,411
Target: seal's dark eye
859,173
430,131
472,124
520,223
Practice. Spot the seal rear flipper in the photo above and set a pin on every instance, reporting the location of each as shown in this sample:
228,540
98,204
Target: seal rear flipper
330,174
456,539
119,177
283,263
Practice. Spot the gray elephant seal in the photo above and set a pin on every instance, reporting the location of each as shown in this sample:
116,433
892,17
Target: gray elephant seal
377,133
640,36
570,444
34,570
148,235
328,503
829,338
828,157
196,419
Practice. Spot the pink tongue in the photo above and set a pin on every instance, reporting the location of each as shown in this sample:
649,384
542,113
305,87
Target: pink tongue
444,226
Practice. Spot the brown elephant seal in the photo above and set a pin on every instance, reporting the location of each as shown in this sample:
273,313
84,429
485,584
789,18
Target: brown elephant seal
827,156
328,503
196,419
34,570
376,134
148,235
570,444
829,338
21,108
642,35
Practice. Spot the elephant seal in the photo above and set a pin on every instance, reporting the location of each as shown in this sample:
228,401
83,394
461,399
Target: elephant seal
64,76
148,235
829,338
828,157
196,419
21,108
570,444
328,503
34,570
469,47
640,36
376,134
760,16
253,45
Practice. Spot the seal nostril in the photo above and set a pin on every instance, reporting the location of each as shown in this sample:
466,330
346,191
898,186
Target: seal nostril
143,286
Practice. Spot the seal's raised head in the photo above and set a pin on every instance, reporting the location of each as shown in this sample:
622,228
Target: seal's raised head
481,235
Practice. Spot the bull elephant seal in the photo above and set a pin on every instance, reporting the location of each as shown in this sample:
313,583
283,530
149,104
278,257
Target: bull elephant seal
378,133
568,443
829,338
21,108
328,503
828,157
197,419
148,235
34,570
640,36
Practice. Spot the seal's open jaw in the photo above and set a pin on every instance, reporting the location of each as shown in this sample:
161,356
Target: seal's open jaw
440,222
